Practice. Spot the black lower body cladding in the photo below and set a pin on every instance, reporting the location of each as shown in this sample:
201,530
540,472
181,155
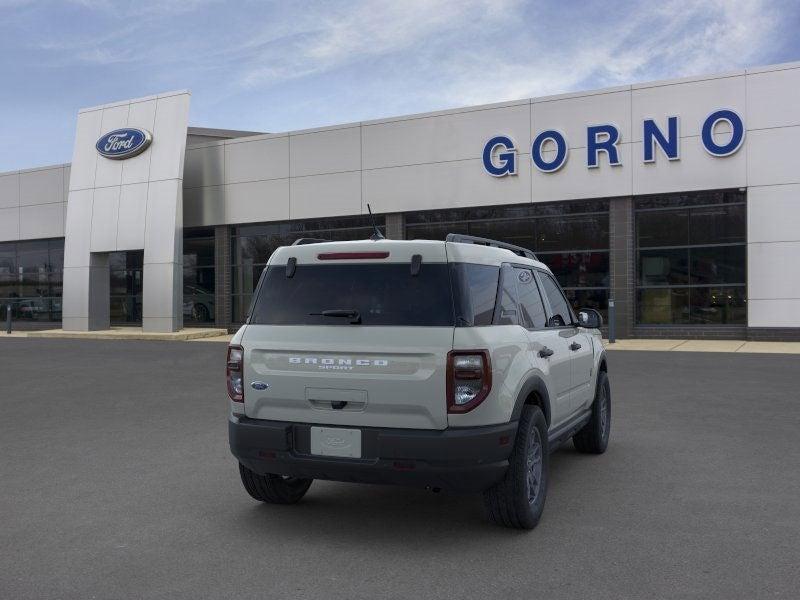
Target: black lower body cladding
463,459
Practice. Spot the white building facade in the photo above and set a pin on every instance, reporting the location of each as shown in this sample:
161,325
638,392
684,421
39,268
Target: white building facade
677,200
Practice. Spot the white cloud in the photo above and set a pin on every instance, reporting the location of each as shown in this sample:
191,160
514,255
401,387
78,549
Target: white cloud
672,40
325,38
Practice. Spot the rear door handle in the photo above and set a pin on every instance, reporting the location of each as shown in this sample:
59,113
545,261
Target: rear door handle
574,346
545,352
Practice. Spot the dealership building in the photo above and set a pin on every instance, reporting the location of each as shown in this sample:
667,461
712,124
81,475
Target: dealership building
677,200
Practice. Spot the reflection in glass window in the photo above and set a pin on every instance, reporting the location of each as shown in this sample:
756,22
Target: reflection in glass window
31,279
572,238
507,298
560,313
530,301
475,292
252,245
691,259
199,276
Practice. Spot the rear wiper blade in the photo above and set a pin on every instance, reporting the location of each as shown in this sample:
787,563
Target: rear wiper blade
345,313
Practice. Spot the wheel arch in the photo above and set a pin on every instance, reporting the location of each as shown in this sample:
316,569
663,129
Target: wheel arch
533,391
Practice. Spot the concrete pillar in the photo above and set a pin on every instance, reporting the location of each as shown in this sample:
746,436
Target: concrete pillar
135,203
222,276
395,226
621,264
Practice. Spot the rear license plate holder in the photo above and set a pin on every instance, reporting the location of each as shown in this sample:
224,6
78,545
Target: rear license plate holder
336,441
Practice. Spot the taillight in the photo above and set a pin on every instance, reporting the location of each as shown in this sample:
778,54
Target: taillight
469,379
235,373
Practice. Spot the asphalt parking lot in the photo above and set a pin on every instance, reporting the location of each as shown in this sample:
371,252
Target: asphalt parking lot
116,482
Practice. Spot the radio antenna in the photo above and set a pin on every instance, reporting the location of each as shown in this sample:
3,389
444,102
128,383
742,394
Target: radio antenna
377,235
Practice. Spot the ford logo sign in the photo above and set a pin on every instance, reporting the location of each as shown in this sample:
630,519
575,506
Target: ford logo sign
123,143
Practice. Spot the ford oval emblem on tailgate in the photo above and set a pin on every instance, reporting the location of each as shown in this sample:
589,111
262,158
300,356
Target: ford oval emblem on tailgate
259,385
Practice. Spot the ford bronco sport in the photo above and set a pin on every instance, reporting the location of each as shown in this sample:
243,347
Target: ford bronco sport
454,365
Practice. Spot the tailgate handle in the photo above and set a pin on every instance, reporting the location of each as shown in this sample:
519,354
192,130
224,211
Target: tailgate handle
337,399
337,405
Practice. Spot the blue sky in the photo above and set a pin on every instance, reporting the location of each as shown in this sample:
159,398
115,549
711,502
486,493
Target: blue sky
277,66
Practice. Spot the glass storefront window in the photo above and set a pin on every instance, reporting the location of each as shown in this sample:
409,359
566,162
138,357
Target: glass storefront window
252,245
199,277
30,279
691,259
572,238
126,287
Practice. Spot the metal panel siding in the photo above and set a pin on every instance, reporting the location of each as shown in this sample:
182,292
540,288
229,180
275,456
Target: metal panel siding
204,166
442,185
773,99
9,190
84,157
773,156
442,138
145,212
161,232
572,115
325,195
692,101
257,160
328,151
167,153
105,217
109,172
9,224
41,221
43,186
131,221
697,170
772,271
575,180
773,213
141,115
257,201
204,206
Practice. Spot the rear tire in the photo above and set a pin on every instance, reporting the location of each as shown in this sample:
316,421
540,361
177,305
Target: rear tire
273,489
593,437
518,500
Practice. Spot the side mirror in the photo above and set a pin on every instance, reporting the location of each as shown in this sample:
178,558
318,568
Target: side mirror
590,318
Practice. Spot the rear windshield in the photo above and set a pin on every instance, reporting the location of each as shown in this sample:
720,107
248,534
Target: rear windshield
440,295
382,294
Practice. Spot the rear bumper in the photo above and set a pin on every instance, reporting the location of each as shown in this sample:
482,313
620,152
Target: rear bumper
463,459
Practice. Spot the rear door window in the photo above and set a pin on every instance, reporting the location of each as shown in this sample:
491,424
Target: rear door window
530,301
506,312
561,313
475,292
382,294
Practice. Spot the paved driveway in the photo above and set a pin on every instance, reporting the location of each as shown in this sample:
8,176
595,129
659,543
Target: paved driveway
116,482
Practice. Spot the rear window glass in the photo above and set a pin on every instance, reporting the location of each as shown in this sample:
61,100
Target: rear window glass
382,294
475,290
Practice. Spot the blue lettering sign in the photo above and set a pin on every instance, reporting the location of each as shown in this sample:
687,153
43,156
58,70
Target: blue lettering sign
652,135
500,152
561,151
507,157
602,138
707,134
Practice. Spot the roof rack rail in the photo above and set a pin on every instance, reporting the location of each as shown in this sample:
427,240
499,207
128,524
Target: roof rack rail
304,241
472,239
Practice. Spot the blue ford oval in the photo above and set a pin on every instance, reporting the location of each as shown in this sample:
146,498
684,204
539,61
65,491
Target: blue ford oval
123,143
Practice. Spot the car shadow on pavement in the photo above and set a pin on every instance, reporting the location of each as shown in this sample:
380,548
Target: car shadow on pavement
343,511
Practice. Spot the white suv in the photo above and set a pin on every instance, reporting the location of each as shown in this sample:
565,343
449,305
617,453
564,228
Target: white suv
453,365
